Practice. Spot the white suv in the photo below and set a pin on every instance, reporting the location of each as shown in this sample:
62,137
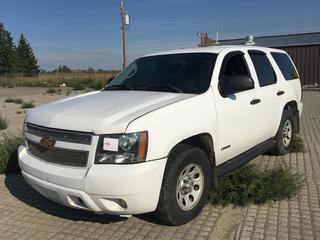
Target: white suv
158,135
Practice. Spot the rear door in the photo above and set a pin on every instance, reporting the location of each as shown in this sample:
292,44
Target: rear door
270,91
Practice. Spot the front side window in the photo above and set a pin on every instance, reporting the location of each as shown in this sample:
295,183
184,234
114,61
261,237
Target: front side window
265,73
183,73
286,67
233,73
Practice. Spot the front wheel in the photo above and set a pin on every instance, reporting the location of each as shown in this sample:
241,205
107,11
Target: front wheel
186,185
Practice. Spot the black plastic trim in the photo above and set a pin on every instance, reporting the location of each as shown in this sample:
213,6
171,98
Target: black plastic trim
245,157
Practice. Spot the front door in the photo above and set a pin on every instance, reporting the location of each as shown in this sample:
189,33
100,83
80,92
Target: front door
239,113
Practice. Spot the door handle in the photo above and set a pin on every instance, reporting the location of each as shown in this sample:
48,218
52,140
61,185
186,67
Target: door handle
255,101
279,93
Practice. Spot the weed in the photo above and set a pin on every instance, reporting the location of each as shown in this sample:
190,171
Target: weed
297,144
9,100
27,105
51,90
248,184
8,153
3,123
18,101
13,100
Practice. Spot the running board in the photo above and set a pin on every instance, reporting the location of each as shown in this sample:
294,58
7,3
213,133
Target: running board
245,157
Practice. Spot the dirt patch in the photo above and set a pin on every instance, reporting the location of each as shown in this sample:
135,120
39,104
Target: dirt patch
15,114
228,224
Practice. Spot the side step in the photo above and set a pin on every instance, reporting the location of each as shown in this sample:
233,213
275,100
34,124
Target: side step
245,157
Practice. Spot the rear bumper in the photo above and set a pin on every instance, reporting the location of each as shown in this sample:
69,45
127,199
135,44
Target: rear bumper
113,189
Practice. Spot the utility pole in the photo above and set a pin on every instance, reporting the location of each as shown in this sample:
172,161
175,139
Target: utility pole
123,35
124,21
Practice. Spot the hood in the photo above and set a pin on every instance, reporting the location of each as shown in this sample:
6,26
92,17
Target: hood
101,112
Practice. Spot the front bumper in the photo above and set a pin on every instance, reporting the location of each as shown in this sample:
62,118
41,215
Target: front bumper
113,189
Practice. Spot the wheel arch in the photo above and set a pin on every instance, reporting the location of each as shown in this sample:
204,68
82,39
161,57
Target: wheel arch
204,141
293,106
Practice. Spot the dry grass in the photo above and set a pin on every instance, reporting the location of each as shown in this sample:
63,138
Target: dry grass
74,79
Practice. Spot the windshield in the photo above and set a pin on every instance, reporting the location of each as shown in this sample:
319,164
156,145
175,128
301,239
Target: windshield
183,73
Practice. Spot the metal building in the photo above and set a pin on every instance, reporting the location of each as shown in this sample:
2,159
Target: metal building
304,49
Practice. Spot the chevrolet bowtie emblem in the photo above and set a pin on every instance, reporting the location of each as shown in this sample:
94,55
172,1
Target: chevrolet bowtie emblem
46,142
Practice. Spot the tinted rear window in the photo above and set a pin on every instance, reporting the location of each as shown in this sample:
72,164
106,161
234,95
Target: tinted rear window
264,70
285,65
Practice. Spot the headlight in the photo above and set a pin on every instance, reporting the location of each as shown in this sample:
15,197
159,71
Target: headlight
122,148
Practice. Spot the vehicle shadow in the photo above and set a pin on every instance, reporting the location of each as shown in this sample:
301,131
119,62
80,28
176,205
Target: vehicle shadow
19,188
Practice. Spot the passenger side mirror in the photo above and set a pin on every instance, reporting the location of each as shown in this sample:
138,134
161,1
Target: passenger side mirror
236,83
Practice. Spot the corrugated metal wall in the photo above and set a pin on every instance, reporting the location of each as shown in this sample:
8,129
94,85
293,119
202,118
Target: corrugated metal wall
307,61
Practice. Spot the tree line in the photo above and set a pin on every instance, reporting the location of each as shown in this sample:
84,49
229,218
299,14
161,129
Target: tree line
16,58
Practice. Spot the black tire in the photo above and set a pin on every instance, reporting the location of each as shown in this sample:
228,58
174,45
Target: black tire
168,209
281,148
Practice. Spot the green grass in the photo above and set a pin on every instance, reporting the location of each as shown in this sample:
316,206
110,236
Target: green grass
249,184
51,90
297,144
3,123
13,100
27,105
8,153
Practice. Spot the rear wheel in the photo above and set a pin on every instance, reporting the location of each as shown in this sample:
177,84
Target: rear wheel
285,134
186,185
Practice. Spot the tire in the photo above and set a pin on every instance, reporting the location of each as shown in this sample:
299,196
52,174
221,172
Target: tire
183,195
285,134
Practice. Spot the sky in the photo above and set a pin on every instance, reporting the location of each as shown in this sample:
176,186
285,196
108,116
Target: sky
83,33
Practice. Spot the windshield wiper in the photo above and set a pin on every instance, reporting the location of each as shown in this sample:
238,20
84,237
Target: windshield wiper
125,86
164,87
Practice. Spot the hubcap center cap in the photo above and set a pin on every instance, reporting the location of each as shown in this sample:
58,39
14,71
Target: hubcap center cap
187,185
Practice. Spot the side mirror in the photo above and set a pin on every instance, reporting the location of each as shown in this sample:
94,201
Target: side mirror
237,83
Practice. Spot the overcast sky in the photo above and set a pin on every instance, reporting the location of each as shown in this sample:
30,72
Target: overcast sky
83,33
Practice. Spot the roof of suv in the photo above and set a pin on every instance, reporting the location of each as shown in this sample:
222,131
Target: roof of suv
216,49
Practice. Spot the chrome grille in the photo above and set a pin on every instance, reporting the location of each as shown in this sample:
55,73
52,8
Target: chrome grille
59,135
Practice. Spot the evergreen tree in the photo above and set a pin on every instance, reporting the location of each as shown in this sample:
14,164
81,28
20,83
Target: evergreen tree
26,60
7,52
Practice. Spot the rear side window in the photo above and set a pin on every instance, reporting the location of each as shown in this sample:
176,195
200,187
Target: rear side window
264,70
286,67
